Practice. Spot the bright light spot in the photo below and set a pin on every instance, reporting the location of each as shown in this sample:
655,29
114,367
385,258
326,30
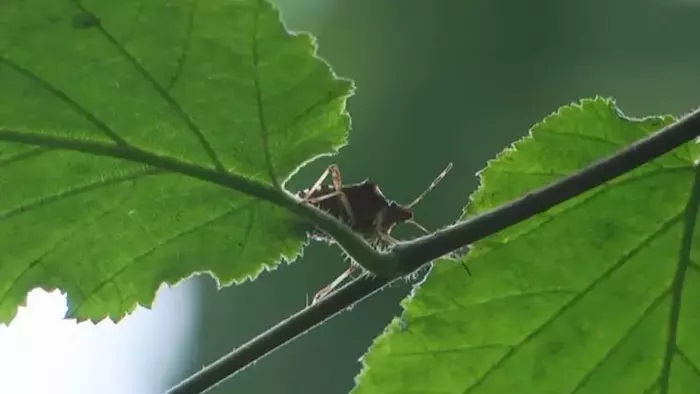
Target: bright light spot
40,352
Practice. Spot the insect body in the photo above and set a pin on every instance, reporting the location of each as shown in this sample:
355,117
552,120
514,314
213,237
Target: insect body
364,208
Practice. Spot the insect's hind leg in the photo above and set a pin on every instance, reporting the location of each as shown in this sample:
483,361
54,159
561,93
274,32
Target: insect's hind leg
321,294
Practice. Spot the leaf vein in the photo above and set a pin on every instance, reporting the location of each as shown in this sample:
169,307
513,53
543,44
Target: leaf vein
452,350
653,386
162,92
586,137
650,308
136,259
185,50
120,296
681,354
62,96
228,180
503,298
574,300
690,216
24,155
615,144
583,200
77,229
130,31
327,99
246,234
264,133
87,187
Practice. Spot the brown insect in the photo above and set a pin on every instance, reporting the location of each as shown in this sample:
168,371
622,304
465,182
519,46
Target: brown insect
362,207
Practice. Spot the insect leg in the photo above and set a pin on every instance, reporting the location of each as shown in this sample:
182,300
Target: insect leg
378,229
338,192
334,171
388,239
324,197
319,182
432,185
418,225
338,186
326,290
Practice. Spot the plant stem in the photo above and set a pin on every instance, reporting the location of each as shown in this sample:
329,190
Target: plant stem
413,254
353,244
278,335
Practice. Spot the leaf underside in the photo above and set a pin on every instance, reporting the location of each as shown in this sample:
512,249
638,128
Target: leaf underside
599,294
217,84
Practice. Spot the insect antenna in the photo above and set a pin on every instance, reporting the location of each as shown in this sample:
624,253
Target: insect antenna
420,197
423,194
432,185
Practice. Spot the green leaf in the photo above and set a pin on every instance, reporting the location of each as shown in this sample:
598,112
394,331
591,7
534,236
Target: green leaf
598,295
119,124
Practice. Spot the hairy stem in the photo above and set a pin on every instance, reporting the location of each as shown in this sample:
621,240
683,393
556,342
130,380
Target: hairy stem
278,335
414,253
354,245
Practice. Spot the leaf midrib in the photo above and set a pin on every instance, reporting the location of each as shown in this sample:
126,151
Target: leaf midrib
690,217
134,154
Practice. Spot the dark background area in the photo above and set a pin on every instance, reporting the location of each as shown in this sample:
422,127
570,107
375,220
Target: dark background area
440,81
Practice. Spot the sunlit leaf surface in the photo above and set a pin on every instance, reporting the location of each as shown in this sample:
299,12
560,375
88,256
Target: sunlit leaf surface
219,85
598,295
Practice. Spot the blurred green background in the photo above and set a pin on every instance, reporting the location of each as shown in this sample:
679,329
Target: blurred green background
440,81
